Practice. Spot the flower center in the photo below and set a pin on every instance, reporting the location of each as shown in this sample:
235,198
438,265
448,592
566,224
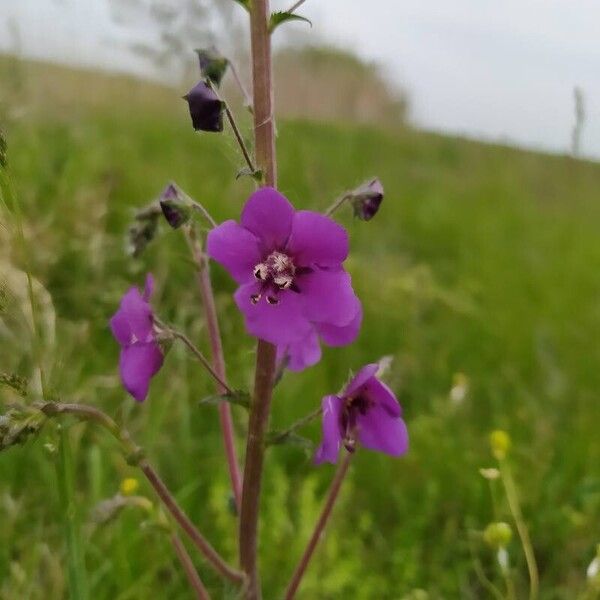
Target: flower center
276,273
353,407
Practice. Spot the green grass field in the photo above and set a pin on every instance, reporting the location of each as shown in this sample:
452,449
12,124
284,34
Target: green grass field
484,260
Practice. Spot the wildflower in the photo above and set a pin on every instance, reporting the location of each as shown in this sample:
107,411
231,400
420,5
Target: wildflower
129,486
368,413
289,267
206,109
212,64
174,208
133,327
366,199
499,443
306,352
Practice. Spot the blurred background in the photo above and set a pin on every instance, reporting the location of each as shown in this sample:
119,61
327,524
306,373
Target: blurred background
479,277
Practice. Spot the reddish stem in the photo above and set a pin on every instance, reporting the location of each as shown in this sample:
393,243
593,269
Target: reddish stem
189,568
264,142
218,360
332,495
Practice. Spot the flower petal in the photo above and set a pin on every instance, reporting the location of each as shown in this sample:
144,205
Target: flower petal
138,363
361,378
332,437
133,320
317,240
328,297
381,394
279,324
268,215
377,430
302,353
341,336
236,248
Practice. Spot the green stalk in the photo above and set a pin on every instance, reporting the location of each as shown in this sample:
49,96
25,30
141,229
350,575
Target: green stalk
78,588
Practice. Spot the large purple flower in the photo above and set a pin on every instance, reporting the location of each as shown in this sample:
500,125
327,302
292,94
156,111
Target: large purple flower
368,413
133,327
289,267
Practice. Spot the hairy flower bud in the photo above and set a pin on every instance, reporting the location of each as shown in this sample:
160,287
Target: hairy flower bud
500,443
366,199
213,64
497,535
206,109
176,210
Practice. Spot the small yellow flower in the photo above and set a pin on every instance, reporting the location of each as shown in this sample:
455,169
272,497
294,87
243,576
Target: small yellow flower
129,486
500,443
497,535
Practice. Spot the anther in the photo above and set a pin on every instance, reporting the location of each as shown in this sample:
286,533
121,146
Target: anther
272,300
255,298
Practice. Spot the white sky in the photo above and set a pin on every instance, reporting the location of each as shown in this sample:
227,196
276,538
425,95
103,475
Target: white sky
497,69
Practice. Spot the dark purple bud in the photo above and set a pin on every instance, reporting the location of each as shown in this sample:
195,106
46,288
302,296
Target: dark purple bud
213,64
176,210
205,107
366,199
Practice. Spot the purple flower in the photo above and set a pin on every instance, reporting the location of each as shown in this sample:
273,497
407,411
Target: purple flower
289,267
133,327
205,107
306,351
368,413
174,207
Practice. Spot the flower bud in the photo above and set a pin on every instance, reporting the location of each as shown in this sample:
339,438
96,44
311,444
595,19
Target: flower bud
206,109
497,535
500,443
366,199
176,210
213,64
129,486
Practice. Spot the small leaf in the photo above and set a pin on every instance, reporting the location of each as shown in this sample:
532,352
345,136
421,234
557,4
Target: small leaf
248,172
277,18
277,438
239,397
244,3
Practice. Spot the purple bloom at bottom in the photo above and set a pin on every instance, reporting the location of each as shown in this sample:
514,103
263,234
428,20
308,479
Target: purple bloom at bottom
133,327
366,413
306,351
289,266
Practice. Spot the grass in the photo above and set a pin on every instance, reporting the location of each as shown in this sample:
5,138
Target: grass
482,261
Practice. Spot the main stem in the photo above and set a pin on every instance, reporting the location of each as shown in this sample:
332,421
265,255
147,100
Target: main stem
264,141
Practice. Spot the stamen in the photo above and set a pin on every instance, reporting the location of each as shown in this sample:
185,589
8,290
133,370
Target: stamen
261,271
254,298
272,300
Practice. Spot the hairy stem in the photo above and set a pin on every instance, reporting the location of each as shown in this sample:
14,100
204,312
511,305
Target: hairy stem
515,509
296,6
135,456
332,495
336,204
281,435
264,137
190,571
218,360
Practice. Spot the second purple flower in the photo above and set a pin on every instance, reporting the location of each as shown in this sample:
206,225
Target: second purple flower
289,267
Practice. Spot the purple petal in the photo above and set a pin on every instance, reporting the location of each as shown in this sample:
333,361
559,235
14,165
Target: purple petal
268,215
235,248
138,363
381,394
328,297
317,240
340,336
377,430
332,438
148,287
280,324
133,321
302,353
361,378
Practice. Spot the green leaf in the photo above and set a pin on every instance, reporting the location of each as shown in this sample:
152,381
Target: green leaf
244,3
277,18
239,397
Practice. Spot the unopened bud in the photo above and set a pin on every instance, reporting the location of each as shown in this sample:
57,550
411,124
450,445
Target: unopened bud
366,199
497,535
213,64
176,210
129,486
500,443
206,109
